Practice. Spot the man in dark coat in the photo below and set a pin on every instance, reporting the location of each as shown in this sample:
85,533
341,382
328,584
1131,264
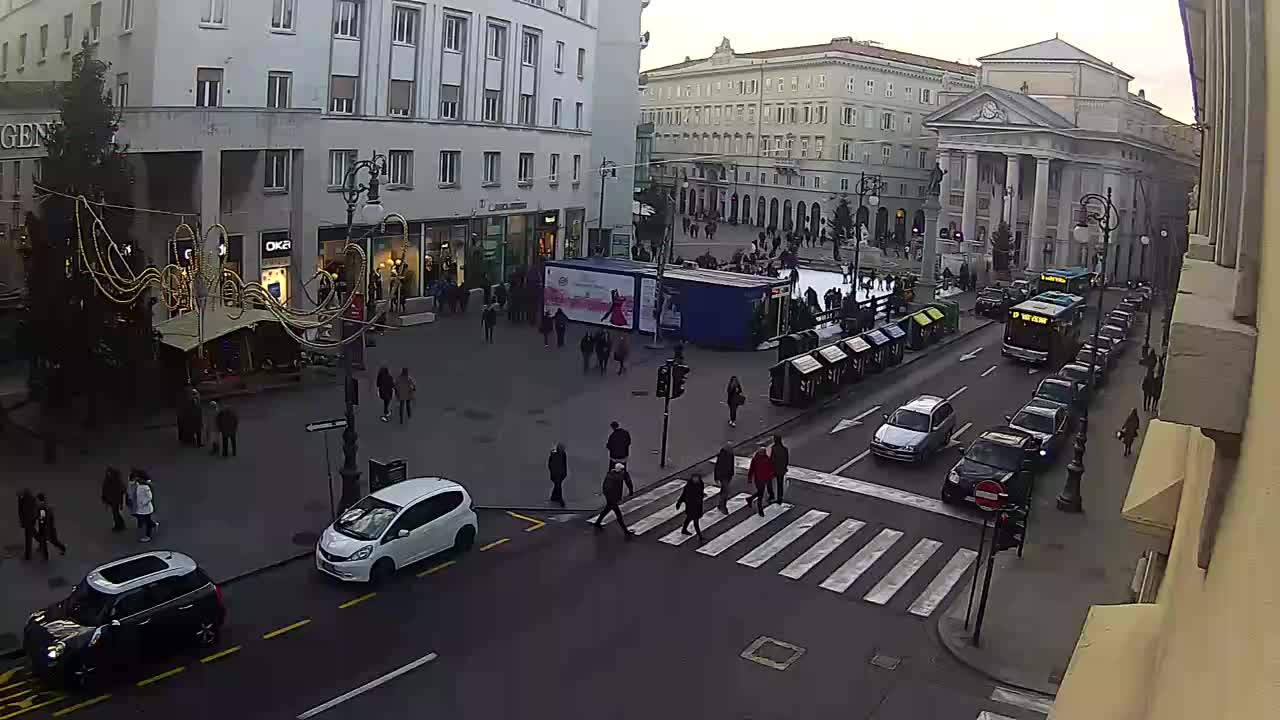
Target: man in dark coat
586,346
27,519
545,327
113,497
228,423
781,460
691,499
612,491
724,475
619,447
488,319
46,529
558,468
562,325
603,346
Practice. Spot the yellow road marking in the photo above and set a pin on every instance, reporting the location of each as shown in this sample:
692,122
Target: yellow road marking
80,706
537,524
220,655
437,568
357,601
12,673
30,704
18,684
285,629
162,676
17,694
494,544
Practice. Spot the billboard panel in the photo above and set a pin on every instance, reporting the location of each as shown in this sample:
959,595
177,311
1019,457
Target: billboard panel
591,297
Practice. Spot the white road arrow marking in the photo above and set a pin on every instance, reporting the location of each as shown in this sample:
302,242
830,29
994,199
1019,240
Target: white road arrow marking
955,436
989,371
1032,371
971,354
851,422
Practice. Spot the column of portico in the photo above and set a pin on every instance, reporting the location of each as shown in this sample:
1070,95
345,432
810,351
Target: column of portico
1063,253
1012,168
969,214
1039,216
944,190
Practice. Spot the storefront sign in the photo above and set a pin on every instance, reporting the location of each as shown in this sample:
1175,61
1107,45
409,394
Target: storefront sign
550,219
592,297
22,136
276,244
513,205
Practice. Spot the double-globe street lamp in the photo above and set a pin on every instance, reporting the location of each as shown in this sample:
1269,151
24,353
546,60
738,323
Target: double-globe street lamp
1108,219
372,213
868,189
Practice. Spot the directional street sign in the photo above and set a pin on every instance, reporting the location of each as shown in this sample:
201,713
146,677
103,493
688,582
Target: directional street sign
971,354
326,425
989,495
847,423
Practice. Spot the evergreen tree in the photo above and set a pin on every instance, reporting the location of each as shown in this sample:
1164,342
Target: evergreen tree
78,341
842,219
1000,246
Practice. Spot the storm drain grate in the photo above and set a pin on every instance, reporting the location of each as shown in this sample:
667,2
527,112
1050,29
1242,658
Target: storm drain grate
772,653
888,662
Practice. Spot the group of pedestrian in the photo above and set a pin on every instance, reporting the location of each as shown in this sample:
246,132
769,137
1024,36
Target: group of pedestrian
558,322
602,345
35,516
137,496
1153,381
452,297
402,388
767,472
192,423
691,226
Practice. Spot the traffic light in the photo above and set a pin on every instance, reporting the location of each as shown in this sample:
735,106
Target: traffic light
664,380
678,375
1011,527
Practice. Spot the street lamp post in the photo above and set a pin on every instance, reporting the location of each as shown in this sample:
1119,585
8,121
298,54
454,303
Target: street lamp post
1070,500
372,213
668,240
868,189
1142,275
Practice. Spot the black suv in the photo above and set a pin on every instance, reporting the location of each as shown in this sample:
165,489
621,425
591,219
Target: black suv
994,302
123,613
1007,455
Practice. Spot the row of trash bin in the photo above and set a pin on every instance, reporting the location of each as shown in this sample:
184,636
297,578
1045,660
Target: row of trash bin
806,371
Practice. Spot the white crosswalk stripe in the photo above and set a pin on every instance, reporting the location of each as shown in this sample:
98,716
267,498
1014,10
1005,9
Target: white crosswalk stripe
932,597
708,519
901,573
781,539
643,499
821,549
988,715
666,513
848,573
736,533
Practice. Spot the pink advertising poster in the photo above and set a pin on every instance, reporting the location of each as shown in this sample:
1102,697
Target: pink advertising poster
591,297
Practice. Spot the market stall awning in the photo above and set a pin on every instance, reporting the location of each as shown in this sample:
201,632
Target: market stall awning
182,332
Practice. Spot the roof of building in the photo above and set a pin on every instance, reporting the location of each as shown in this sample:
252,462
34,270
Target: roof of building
1054,48
1035,111
844,45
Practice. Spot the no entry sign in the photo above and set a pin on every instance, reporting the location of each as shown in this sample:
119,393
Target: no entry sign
989,495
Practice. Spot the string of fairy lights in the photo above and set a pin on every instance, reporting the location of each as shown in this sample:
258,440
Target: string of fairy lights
206,278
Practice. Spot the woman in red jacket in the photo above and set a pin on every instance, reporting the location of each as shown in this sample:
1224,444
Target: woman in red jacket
760,473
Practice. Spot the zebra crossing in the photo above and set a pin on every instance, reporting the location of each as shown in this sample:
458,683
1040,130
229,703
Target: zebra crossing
812,546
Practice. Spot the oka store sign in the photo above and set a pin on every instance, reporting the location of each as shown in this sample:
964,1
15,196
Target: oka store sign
24,136
276,245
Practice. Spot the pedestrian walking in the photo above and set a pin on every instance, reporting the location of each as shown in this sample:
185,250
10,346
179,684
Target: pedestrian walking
781,457
386,390
684,224
558,469
723,472
46,528
693,230
488,319
1149,391
621,349
27,520
612,491
691,498
1156,386
562,325
586,346
544,327
760,474
1129,432
619,446
406,388
113,497
500,295
228,424
603,346
734,398
144,507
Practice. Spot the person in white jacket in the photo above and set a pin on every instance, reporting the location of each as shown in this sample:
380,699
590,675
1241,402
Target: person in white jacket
143,507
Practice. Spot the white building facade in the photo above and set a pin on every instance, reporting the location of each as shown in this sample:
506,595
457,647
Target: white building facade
777,138
1048,124
248,113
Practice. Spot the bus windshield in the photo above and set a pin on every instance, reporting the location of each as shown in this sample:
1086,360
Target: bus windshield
1028,334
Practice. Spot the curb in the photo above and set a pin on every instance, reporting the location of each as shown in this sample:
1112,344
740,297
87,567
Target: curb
959,655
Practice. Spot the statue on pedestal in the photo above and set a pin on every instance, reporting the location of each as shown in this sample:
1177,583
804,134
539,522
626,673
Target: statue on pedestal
935,181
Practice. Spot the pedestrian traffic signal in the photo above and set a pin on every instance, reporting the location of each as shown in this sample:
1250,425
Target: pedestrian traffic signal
664,380
1011,527
678,375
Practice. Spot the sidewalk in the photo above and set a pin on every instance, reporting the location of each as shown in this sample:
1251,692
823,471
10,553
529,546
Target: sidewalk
731,238
485,415
1038,603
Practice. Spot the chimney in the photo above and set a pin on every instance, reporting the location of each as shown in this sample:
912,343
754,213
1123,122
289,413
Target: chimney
1142,94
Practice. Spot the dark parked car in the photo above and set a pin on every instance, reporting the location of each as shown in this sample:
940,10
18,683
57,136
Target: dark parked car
1123,318
123,613
1006,455
1102,359
1021,290
1059,391
1116,335
1078,374
1046,421
994,302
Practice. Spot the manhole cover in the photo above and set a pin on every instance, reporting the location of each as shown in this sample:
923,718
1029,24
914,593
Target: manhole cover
477,414
315,506
888,662
8,640
304,539
772,653
640,393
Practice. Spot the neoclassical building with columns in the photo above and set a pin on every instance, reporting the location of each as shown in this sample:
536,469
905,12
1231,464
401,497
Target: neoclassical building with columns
1047,124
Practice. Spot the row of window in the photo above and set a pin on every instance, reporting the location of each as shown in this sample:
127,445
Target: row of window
785,146
400,169
809,82
68,29
788,179
563,7
806,114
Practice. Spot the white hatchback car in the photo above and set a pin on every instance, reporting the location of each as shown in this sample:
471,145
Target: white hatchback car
397,526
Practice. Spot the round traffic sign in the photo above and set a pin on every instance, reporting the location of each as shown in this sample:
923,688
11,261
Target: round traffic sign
989,495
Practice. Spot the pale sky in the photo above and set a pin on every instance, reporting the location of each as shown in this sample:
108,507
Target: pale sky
1142,37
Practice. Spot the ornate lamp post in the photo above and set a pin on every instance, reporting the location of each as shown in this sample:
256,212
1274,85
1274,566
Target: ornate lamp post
372,213
1108,219
868,191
